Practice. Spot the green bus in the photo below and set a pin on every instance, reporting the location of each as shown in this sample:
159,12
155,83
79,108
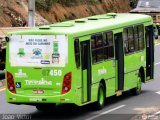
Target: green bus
80,61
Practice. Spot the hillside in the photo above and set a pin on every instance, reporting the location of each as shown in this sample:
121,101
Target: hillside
14,12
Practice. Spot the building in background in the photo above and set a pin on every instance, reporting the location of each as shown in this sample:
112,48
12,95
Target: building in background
149,7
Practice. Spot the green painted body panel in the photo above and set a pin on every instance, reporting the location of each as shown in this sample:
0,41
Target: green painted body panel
106,70
131,69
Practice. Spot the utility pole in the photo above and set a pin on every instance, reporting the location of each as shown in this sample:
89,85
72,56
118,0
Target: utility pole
31,13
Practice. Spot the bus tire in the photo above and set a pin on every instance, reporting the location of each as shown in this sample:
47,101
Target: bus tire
45,107
99,104
137,90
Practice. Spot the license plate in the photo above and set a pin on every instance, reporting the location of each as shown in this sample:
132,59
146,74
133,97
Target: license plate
38,91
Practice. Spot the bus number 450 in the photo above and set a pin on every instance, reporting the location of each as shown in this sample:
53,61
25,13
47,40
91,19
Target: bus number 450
55,73
52,72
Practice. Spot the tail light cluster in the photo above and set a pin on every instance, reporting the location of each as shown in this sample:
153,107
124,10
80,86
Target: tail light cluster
10,83
67,83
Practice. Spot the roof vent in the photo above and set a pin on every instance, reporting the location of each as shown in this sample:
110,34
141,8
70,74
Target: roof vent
112,14
106,17
93,18
63,24
80,21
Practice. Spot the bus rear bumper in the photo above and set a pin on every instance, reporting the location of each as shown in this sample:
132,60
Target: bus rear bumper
26,99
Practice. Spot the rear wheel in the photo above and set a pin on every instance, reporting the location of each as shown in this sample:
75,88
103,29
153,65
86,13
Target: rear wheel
101,98
45,107
138,89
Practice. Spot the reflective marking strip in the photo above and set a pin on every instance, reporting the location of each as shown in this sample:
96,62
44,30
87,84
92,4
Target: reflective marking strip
106,112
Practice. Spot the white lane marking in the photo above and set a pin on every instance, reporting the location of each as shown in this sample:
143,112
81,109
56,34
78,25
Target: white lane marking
158,92
157,63
106,112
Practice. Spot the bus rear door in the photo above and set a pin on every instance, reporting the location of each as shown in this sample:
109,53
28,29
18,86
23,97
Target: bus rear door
119,56
86,71
149,53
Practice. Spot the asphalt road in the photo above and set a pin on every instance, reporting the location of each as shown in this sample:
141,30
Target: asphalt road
125,107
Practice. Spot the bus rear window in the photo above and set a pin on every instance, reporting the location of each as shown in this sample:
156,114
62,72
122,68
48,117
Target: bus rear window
38,50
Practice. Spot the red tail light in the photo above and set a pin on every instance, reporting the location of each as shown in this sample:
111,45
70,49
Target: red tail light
10,83
67,83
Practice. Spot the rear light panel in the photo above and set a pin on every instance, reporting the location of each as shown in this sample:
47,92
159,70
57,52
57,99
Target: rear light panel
67,83
10,83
